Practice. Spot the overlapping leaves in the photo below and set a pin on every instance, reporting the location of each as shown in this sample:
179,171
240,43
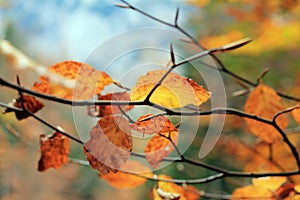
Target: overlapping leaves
110,144
264,102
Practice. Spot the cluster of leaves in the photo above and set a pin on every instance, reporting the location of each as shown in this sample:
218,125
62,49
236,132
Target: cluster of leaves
277,27
110,147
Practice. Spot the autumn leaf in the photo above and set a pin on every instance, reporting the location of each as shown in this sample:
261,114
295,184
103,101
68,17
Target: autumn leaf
31,104
281,154
159,147
176,91
55,150
121,179
89,81
296,114
171,191
159,124
263,188
264,102
285,190
110,144
100,111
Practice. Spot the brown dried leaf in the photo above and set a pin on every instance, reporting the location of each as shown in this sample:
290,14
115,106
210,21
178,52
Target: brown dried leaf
176,91
55,150
264,102
100,111
110,144
30,103
89,81
159,124
121,179
159,147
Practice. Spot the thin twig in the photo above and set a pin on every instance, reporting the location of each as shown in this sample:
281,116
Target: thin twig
220,65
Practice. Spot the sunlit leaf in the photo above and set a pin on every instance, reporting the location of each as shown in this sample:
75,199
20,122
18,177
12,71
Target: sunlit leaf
159,124
100,111
110,144
264,102
159,147
30,103
296,114
171,191
176,91
88,81
269,183
121,179
251,192
262,188
54,151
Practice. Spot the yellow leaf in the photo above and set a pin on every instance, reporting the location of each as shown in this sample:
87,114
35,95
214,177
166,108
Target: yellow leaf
121,179
176,91
261,188
166,190
264,102
251,192
269,183
88,81
110,144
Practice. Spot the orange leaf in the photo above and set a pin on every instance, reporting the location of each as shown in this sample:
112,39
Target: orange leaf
296,114
30,103
166,190
176,91
55,150
263,188
264,102
159,124
285,190
110,144
269,183
100,111
159,147
251,192
121,179
89,81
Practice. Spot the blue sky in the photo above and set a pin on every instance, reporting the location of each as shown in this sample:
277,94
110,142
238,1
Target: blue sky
55,30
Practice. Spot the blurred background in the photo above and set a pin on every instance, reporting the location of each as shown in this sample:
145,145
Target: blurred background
51,31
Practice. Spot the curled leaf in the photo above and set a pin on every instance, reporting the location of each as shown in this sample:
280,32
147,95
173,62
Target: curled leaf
30,103
176,91
121,179
55,150
264,102
100,111
86,81
160,146
110,144
159,124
